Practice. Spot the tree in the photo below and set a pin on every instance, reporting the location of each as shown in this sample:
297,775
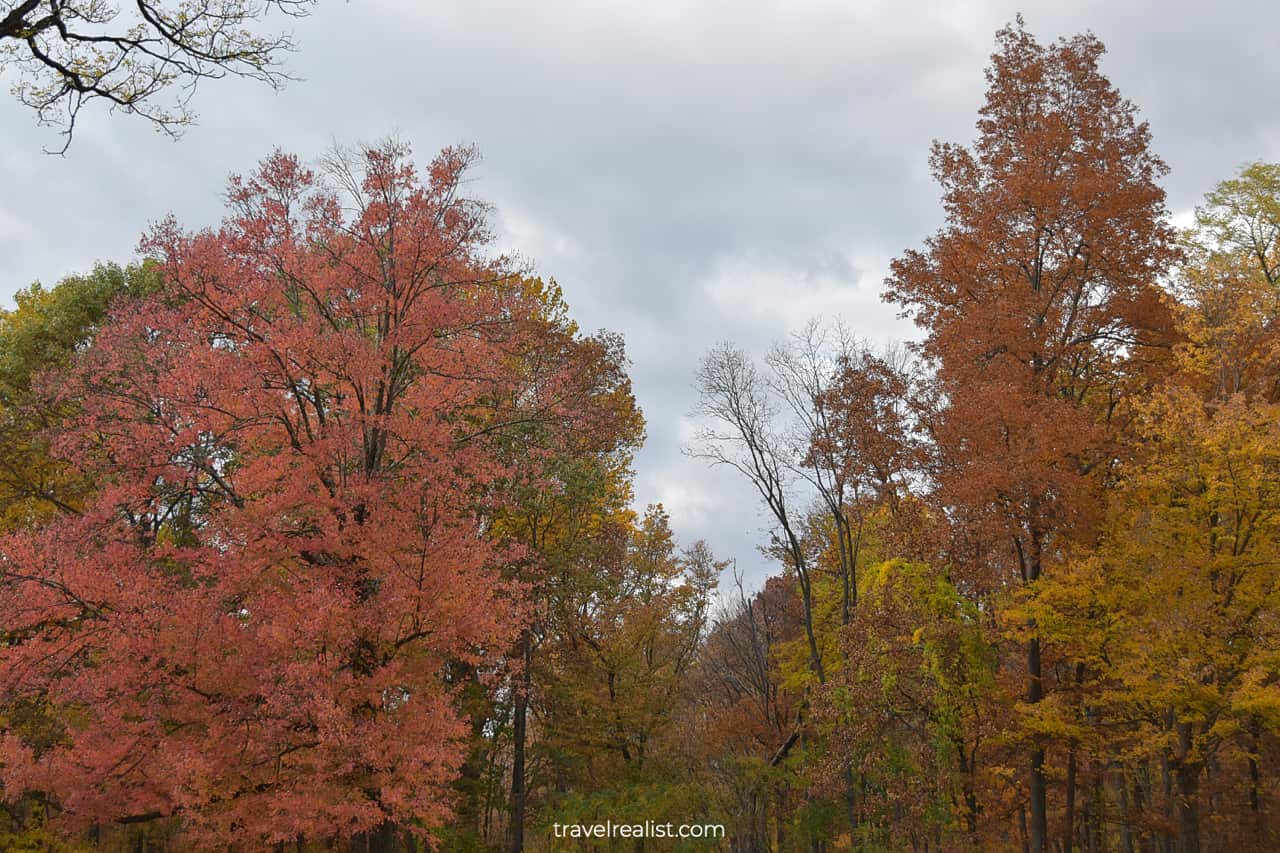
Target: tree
850,438
911,708
739,712
251,624
1228,289
38,340
1189,562
1241,216
570,511
1192,572
850,445
1040,303
828,414
631,628
742,433
67,53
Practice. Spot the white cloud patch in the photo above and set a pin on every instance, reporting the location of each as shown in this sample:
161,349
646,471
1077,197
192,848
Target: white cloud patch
777,297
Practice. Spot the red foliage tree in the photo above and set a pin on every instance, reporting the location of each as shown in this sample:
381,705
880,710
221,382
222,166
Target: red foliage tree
253,624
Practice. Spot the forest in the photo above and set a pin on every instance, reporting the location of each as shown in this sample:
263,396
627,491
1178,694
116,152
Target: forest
318,528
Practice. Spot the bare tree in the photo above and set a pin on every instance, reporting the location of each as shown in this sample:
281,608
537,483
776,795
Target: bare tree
848,439
802,374
742,433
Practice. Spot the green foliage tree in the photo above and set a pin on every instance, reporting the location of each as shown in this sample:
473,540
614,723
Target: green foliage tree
38,339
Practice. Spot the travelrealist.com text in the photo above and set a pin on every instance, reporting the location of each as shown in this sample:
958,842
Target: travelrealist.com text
647,829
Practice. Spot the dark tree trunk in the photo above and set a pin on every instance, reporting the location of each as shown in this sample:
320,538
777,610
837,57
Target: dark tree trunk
779,820
519,795
1126,816
851,801
1068,835
1039,829
1188,808
806,600
1255,784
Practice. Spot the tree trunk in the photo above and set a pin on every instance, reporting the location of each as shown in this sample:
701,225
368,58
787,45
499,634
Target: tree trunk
851,802
1188,807
1039,829
1095,814
1185,771
473,773
847,589
1068,835
778,820
806,600
384,839
1255,785
761,833
967,764
1126,818
519,795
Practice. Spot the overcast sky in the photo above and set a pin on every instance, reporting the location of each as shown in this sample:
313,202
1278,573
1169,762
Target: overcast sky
690,172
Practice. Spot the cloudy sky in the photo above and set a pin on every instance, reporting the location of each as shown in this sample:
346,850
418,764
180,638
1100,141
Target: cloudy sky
690,171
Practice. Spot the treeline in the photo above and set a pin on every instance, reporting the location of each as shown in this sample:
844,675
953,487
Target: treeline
318,529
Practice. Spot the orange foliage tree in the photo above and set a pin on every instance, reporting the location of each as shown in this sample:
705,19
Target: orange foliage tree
1040,303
